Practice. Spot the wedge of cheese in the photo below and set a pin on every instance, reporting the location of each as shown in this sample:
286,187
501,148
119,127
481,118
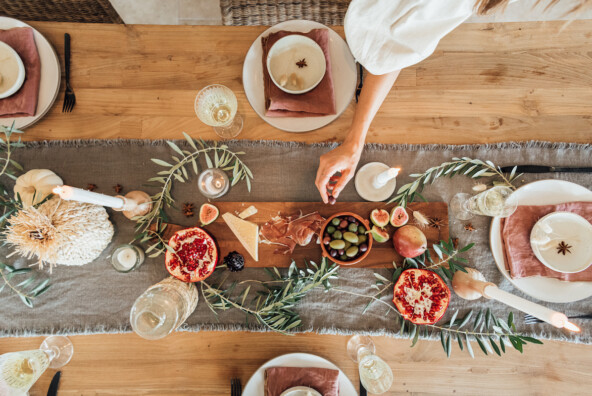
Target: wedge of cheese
246,232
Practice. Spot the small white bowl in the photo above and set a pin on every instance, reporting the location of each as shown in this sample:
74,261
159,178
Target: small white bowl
567,227
20,79
282,62
300,391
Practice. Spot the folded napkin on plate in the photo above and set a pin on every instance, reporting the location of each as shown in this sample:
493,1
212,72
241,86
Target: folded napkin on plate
24,102
318,102
279,379
520,259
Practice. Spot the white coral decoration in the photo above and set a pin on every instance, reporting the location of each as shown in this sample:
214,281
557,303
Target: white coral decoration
60,232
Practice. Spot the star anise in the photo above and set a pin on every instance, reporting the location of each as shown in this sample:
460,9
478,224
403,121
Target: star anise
437,223
188,209
455,243
91,187
469,227
117,188
563,248
301,63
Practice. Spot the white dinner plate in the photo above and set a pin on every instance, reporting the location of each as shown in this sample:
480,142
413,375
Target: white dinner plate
49,85
343,69
543,192
255,386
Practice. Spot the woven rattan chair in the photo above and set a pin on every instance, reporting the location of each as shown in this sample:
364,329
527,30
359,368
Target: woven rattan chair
270,12
91,11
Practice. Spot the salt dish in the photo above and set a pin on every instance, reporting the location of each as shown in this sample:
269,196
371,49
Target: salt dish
561,241
296,64
12,71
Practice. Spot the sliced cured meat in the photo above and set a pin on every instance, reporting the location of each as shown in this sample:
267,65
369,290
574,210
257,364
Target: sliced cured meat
292,230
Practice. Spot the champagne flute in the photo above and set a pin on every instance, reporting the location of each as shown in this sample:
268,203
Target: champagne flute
495,202
20,370
375,373
216,106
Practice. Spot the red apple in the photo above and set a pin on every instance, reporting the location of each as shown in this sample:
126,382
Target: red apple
410,241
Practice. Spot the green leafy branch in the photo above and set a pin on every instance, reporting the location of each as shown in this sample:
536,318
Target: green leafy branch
273,303
176,170
28,289
491,333
473,168
9,167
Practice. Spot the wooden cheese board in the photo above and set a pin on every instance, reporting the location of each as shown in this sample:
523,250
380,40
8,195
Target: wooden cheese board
382,254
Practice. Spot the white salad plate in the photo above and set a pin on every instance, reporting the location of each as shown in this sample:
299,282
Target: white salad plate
343,69
256,384
567,227
543,192
51,75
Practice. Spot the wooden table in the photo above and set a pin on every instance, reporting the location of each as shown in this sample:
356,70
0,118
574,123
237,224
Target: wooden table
485,83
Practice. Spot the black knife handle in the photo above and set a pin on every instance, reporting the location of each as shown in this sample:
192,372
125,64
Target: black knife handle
528,169
67,55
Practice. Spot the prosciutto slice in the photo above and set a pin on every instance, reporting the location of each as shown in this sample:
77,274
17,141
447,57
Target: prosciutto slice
292,230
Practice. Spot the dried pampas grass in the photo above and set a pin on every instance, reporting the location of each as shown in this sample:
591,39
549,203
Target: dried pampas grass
60,232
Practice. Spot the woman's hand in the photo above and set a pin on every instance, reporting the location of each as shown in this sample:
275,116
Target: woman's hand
343,159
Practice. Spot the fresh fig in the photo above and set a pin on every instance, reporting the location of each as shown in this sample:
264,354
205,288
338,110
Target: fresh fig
399,216
379,234
208,213
379,217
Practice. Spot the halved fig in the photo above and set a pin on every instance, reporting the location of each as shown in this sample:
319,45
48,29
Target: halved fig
379,217
379,234
399,216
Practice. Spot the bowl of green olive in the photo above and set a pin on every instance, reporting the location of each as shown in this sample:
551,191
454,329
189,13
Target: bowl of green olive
344,238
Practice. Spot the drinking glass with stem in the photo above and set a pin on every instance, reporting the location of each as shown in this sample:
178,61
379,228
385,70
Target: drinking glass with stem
216,106
375,373
495,202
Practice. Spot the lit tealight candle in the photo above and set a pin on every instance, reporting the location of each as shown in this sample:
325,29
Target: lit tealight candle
127,257
77,194
213,183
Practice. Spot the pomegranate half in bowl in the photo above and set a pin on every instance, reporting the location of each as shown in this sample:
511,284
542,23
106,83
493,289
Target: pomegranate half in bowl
195,256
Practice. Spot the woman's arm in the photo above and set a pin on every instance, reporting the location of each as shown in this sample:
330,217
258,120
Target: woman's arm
345,158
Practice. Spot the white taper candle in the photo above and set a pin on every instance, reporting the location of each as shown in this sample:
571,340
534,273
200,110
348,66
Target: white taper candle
69,193
384,177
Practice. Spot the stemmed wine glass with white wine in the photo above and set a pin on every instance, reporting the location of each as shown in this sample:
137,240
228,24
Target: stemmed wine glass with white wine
375,373
20,370
216,106
495,202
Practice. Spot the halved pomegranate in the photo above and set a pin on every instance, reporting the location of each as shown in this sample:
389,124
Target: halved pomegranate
195,257
421,296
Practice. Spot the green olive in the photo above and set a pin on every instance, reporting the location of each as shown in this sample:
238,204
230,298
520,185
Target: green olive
350,237
361,229
352,251
337,244
362,239
347,245
343,257
335,221
353,227
337,235
330,230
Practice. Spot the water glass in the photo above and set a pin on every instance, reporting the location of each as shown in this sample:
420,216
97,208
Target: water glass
375,373
495,202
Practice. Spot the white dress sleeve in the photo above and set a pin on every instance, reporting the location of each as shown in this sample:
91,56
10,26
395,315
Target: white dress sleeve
388,35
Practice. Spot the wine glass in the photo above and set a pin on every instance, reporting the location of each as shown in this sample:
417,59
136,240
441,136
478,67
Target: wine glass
216,106
20,370
375,373
495,202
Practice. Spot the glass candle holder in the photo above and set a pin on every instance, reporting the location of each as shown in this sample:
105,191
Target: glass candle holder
127,258
213,183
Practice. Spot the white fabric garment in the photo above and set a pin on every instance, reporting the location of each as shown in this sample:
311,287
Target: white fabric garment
388,35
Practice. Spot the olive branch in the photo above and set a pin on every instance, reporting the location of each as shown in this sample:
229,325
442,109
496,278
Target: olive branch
486,330
27,289
273,303
150,227
473,168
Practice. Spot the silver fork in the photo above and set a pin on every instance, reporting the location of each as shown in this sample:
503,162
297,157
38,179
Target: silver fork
529,319
69,98
236,388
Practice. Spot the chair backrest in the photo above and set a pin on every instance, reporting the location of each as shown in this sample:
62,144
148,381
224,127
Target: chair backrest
270,12
90,11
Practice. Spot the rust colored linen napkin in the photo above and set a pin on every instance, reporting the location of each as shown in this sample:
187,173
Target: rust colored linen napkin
324,381
24,102
318,102
520,259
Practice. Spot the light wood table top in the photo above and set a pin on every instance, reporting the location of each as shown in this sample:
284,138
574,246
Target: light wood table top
485,83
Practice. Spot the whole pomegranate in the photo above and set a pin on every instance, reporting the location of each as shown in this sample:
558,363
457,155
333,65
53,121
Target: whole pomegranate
409,241
421,296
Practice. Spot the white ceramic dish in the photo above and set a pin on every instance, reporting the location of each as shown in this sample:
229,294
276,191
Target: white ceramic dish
51,76
14,58
567,227
543,192
300,391
283,60
255,386
343,69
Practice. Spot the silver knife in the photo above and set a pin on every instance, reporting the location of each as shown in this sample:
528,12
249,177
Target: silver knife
545,169
53,387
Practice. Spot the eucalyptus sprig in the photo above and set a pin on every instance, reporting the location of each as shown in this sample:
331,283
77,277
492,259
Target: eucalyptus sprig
9,167
28,289
150,226
473,168
273,303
